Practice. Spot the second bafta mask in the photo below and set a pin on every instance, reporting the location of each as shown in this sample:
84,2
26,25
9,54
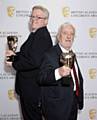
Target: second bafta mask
12,42
67,59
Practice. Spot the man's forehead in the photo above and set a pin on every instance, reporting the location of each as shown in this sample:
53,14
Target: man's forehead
67,27
38,12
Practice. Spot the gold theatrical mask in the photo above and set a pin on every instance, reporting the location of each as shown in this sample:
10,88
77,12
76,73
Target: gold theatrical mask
67,59
12,42
92,114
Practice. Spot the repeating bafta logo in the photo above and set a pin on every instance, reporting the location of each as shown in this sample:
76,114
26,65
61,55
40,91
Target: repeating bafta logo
92,73
93,114
11,94
66,11
10,11
93,32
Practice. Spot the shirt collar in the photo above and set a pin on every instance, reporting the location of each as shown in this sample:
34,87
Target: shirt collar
63,49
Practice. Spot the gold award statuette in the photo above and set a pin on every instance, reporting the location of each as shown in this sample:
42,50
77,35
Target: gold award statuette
67,59
12,42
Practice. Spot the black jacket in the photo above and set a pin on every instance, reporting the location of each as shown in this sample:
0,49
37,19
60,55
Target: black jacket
27,63
57,96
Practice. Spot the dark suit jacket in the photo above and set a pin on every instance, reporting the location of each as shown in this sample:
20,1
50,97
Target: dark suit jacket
57,97
27,63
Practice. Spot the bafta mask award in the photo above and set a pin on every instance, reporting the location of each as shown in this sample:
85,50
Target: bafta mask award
12,42
67,59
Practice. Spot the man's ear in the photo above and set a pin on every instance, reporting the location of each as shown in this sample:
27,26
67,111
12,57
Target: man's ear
46,21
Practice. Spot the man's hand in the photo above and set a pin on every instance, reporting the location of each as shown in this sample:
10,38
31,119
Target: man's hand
64,71
9,53
9,64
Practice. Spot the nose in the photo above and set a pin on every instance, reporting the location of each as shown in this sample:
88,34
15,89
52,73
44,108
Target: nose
68,35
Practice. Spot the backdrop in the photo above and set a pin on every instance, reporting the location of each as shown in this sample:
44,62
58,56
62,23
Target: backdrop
14,18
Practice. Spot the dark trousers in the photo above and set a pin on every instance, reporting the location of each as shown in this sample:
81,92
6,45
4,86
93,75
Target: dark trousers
30,111
74,110
59,114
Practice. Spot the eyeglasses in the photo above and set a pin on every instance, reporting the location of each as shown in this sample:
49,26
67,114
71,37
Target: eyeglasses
37,17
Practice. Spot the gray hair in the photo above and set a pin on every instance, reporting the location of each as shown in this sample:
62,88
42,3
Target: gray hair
60,29
45,11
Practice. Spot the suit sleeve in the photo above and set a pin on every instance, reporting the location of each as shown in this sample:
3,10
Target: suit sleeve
31,57
81,96
46,74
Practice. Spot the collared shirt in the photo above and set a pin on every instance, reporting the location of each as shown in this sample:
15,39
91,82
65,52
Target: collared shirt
57,75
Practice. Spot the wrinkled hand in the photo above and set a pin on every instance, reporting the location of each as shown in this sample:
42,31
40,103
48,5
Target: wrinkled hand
9,53
9,64
64,71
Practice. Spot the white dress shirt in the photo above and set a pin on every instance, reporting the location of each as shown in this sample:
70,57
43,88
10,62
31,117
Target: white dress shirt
57,75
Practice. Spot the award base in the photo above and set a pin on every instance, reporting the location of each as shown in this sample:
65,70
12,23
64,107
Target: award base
10,58
66,81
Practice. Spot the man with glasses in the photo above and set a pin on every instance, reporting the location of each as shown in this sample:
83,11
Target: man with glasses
27,63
